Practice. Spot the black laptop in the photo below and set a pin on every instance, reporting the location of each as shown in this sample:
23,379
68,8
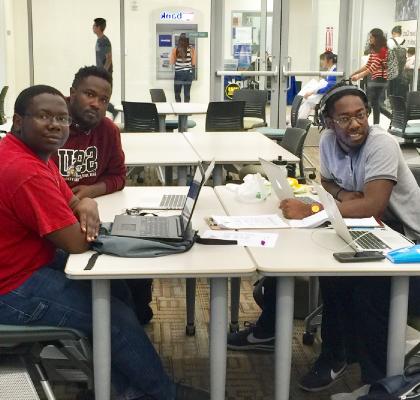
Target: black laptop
160,227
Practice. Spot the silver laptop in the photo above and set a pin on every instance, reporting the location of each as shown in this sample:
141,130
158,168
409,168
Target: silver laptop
277,175
160,227
360,240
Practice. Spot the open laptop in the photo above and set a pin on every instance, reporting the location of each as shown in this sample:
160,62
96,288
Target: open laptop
360,240
166,201
277,175
163,227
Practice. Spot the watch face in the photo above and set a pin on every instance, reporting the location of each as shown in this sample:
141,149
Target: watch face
315,208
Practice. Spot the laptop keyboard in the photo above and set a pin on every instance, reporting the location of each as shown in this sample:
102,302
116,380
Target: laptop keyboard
152,226
367,240
173,201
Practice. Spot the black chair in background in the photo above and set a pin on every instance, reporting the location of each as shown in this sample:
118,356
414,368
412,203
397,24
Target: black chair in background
293,141
225,116
402,112
255,103
159,96
3,118
140,117
294,112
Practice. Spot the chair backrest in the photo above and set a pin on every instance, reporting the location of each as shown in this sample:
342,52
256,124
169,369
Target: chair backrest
225,116
413,105
255,102
140,117
2,97
297,101
399,112
303,123
157,95
293,141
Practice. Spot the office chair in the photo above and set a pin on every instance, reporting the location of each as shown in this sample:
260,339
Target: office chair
29,341
294,112
158,96
3,118
255,103
402,112
140,117
225,116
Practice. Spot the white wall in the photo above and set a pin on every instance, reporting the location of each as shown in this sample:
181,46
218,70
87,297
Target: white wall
140,56
64,40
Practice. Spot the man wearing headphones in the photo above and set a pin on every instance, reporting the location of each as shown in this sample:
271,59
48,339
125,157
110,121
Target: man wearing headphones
363,168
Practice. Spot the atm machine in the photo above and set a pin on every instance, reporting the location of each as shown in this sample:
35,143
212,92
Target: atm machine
167,36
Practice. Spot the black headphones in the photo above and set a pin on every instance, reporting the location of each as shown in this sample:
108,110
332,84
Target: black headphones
343,86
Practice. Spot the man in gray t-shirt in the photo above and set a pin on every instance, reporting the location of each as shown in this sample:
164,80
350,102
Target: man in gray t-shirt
363,168
103,45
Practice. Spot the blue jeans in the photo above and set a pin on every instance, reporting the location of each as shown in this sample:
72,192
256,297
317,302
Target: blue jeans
183,78
49,298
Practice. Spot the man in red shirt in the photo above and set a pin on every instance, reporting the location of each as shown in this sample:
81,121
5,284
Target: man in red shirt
39,214
92,159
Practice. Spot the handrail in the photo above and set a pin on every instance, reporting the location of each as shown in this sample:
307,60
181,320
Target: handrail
311,73
247,73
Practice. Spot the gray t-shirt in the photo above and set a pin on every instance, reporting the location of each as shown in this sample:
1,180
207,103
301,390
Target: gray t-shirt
102,48
380,157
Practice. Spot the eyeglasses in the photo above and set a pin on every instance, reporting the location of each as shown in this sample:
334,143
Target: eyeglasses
345,121
64,120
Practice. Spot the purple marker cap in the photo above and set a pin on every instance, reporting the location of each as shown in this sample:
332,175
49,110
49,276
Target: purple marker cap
262,242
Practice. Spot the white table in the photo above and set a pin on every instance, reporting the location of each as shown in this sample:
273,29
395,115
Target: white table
159,149
163,109
236,148
200,261
185,109
287,260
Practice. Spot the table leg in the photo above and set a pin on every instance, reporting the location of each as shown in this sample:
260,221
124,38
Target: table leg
235,293
218,175
190,295
182,175
168,176
162,122
284,332
397,324
182,123
101,321
218,337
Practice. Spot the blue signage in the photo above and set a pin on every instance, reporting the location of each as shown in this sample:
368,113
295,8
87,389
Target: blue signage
243,53
165,40
171,15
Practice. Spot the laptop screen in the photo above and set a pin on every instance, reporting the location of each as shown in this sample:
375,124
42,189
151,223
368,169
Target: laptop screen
192,195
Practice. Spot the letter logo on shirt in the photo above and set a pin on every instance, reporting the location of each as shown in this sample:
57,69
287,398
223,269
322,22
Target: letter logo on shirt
75,164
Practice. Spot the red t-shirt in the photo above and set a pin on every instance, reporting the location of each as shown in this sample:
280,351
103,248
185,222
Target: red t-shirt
97,156
377,64
34,202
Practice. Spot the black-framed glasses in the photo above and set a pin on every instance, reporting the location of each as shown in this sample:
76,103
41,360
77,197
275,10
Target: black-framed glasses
64,120
345,120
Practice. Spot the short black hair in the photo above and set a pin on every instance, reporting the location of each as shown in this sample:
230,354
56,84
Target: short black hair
92,70
25,96
397,29
101,23
351,91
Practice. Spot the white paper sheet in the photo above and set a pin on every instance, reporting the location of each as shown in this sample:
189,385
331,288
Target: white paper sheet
250,239
269,221
361,222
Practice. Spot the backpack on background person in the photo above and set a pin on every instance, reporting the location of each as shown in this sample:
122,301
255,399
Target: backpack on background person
396,60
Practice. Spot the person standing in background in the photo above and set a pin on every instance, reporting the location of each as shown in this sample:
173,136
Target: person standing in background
103,47
184,59
398,86
377,68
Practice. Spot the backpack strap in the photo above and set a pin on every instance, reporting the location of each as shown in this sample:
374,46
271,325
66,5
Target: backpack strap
396,43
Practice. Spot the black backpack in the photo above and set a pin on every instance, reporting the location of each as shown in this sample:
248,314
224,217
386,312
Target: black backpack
401,55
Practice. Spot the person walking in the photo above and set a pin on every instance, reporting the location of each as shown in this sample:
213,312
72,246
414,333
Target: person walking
376,67
103,48
184,60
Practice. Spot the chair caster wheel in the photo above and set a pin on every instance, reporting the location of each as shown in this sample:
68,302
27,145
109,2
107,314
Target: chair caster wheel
312,176
308,339
190,330
234,327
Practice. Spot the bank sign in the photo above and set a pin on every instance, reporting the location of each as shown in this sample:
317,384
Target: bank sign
176,16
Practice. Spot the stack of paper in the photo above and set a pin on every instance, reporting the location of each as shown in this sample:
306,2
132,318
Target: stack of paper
269,221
